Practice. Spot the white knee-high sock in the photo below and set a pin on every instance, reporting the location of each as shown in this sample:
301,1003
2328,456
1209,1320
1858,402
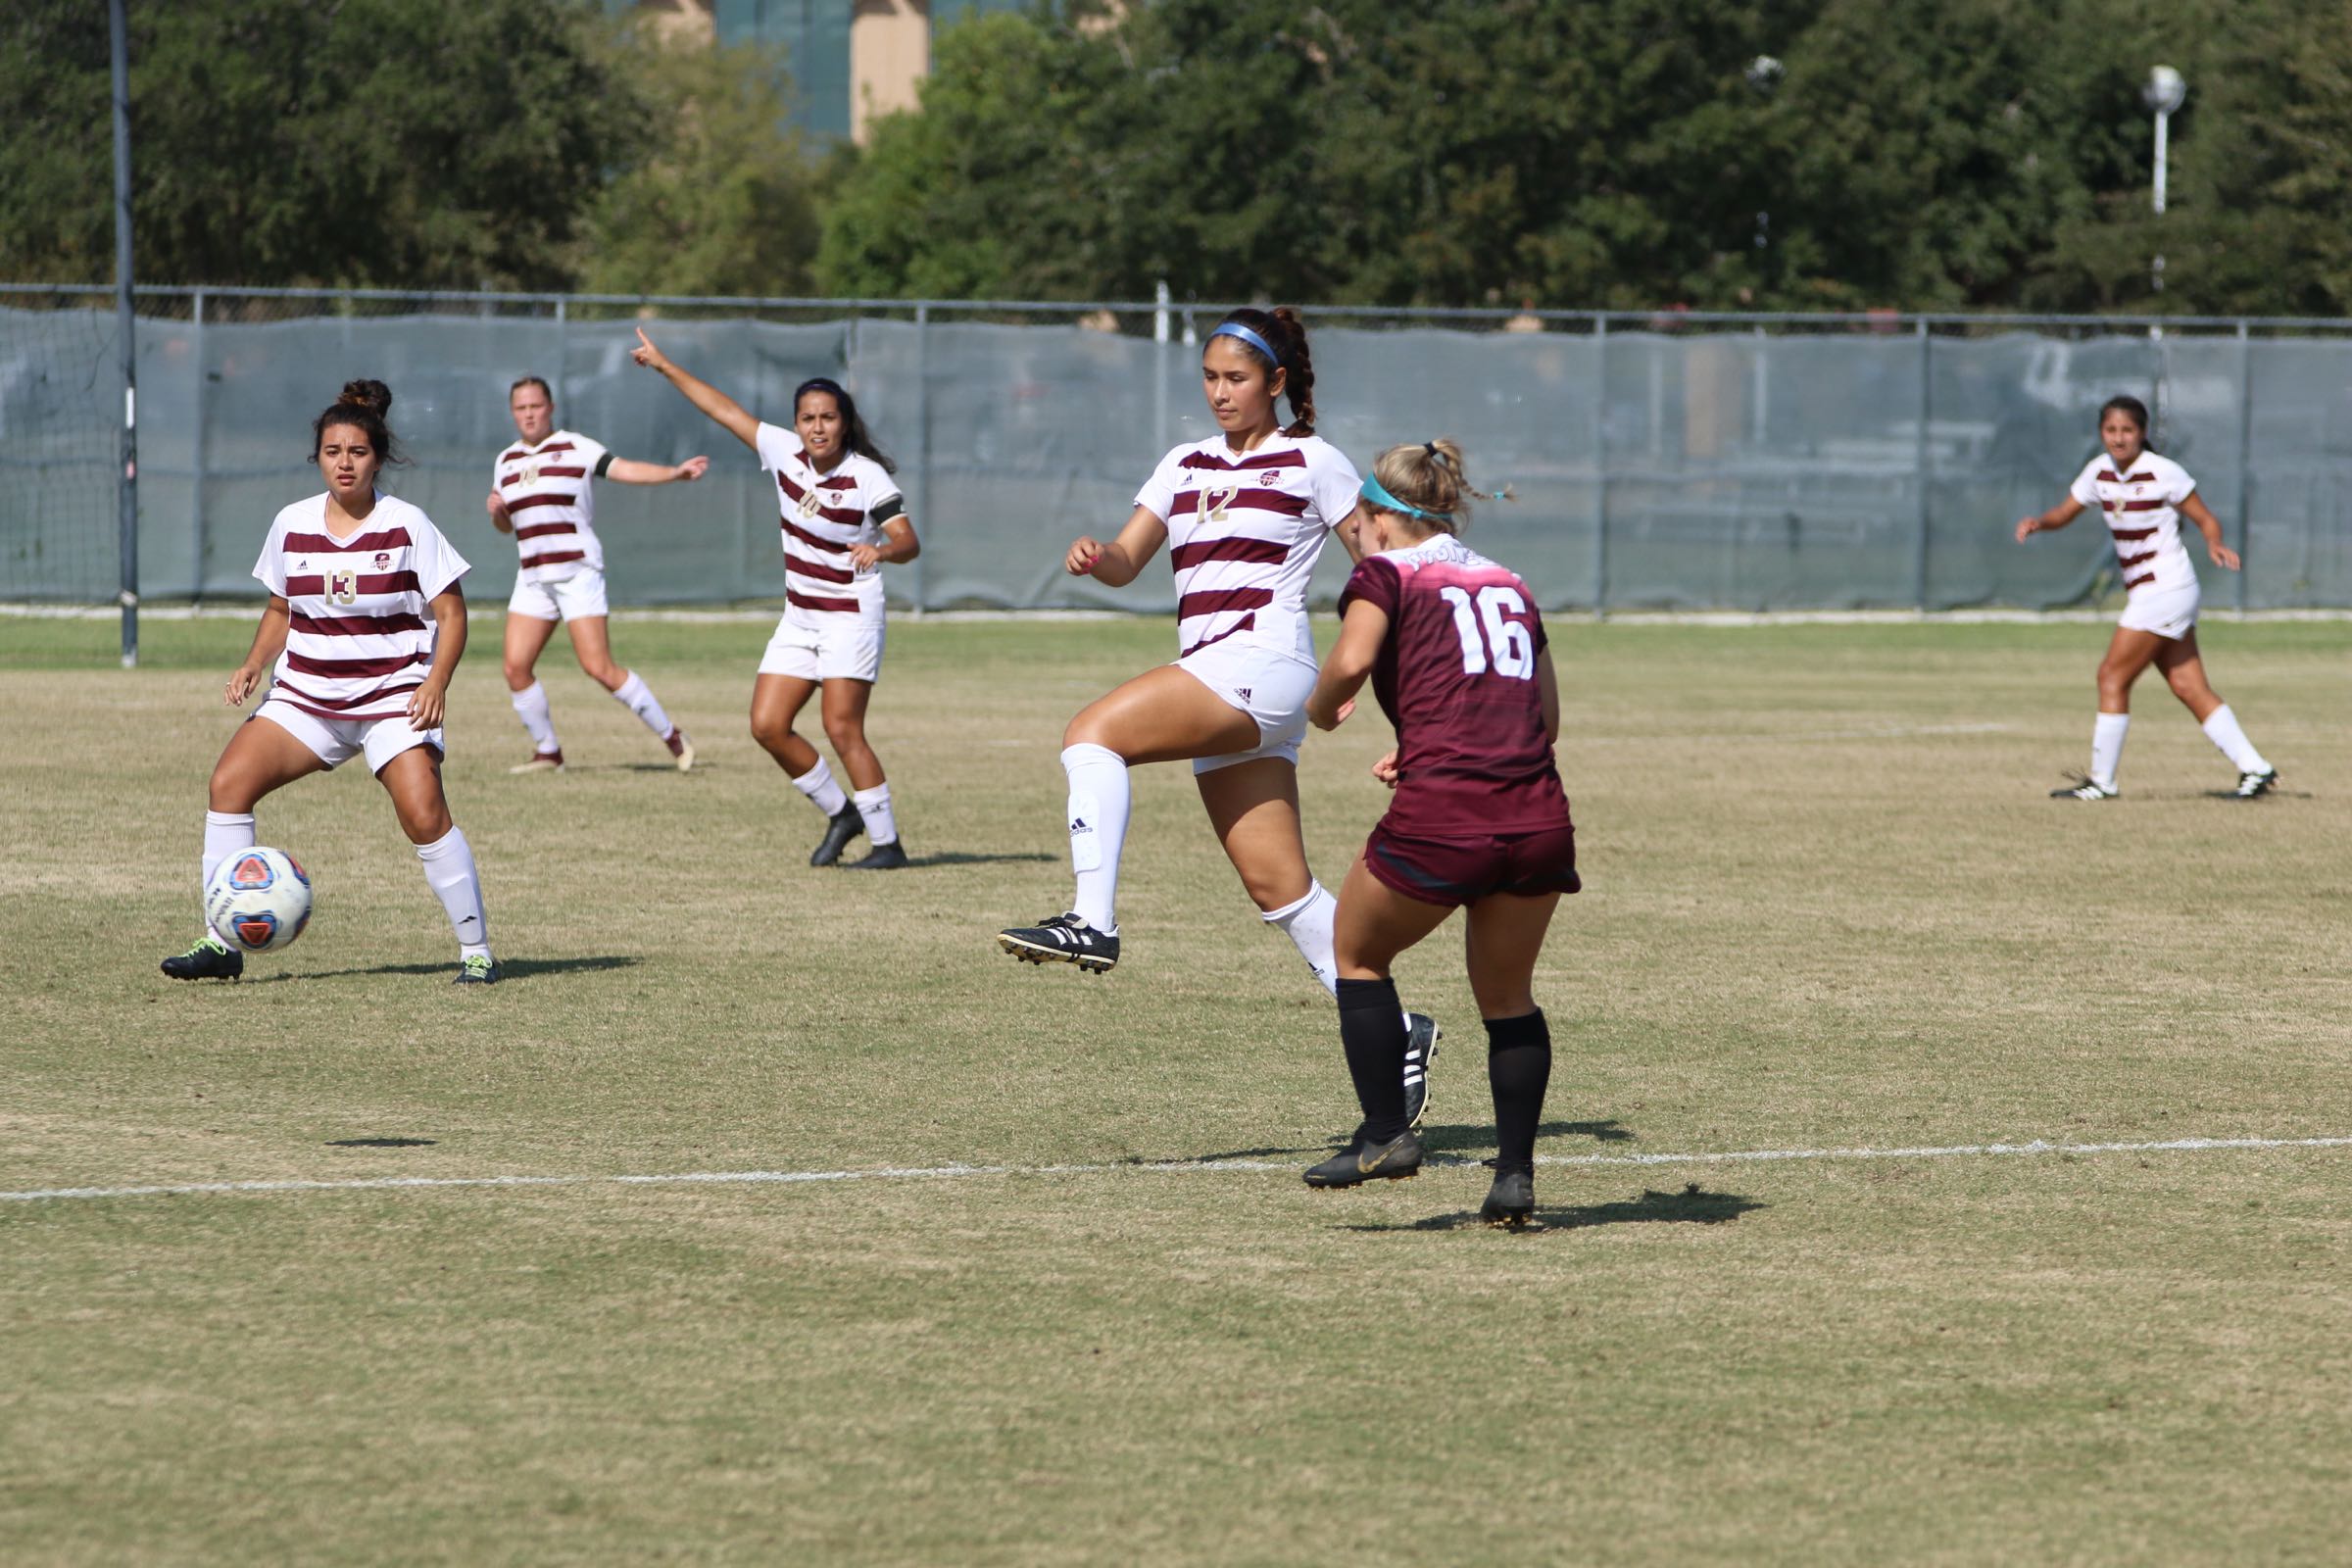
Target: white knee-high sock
2107,747
531,706
225,834
1307,923
881,826
817,784
1099,801
448,868
638,698
2221,728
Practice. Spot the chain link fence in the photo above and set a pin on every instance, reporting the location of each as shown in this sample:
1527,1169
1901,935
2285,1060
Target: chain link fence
1674,460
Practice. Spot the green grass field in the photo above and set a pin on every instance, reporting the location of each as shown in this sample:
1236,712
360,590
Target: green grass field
1827,908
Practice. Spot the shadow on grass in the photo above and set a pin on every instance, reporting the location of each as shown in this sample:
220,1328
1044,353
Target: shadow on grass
1437,1139
960,857
1693,1206
508,968
381,1143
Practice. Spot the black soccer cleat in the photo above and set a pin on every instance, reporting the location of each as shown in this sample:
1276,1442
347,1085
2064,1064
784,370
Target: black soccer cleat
2085,788
479,970
846,825
209,959
1512,1201
1396,1160
1063,938
2252,786
881,858
1420,1052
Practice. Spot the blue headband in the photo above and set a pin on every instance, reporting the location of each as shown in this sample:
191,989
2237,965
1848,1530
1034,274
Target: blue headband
1237,329
1378,493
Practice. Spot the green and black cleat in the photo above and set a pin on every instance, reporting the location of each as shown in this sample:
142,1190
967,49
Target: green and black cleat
479,970
209,959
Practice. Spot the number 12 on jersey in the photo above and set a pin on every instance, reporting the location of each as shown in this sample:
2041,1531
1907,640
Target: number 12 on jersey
1513,652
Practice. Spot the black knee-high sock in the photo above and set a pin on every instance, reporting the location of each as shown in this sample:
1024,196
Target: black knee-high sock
1518,1068
1372,1030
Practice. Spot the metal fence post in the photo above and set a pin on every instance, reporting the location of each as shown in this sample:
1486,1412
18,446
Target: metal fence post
1927,408
197,543
2245,456
563,356
922,442
1600,466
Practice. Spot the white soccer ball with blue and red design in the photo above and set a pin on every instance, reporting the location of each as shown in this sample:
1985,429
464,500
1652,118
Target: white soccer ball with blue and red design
259,900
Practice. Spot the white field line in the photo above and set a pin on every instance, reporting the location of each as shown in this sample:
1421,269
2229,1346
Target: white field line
888,1173
1727,618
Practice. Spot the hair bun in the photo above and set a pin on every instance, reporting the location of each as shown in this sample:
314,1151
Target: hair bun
367,395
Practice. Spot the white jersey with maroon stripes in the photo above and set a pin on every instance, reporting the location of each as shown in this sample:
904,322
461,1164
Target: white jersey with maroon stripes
823,515
1244,534
550,491
2142,507
362,633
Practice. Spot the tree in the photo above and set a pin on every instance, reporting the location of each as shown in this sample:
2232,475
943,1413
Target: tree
724,201
408,143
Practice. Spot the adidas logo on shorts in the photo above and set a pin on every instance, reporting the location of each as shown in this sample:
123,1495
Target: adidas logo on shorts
1243,692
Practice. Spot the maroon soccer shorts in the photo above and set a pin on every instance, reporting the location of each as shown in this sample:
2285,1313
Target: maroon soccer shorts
1458,872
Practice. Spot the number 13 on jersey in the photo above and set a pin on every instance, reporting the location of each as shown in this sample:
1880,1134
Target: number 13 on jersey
1488,640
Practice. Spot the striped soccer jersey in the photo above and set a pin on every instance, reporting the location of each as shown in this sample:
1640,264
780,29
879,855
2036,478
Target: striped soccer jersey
362,633
550,491
823,515
1244,534
2142,513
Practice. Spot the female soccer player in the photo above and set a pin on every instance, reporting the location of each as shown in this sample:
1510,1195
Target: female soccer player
1244,513
2143,497
843,520
356,669
1457,657
542,492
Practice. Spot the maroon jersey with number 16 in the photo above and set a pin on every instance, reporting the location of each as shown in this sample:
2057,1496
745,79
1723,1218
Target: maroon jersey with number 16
1457,678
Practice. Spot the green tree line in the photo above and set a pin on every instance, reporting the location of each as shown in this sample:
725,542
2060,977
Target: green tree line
1715,154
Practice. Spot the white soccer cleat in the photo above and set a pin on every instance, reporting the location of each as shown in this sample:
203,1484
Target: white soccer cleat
680,747
540,762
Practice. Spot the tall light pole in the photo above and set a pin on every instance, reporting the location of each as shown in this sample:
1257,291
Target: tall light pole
2163,93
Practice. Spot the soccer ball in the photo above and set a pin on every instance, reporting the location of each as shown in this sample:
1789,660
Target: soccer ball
258,900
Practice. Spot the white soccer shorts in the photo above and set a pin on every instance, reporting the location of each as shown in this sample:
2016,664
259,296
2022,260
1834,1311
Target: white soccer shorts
1270,686
2170,613
826,645
575,597
337,741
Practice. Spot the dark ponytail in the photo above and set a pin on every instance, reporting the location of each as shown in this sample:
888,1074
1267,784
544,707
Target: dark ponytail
1281,328
858,441
363,404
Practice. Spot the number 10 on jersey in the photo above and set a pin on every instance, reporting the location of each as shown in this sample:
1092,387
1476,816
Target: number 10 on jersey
1488,640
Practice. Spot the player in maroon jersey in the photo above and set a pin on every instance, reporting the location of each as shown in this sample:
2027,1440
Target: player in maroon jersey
1456,655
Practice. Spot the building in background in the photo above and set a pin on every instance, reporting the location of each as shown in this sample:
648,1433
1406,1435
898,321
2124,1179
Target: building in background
851,59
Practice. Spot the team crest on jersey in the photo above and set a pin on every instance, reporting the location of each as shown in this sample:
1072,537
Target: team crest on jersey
251,874
344,587
383,561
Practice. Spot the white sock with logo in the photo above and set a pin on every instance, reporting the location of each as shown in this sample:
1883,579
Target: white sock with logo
638,698
881,827
2221,728
225,834
1307,923
2107,748
531,706
817,784
1099,801
448,868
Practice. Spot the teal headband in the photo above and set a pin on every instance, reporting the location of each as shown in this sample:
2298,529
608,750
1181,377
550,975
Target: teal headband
1378,493
1237,329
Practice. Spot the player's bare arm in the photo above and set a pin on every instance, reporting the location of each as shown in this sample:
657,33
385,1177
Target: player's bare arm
898,547
1348,666
2194,507
269,641
1547,693
499,518
724,410
1349,531
430,700
2058,516
629,471
1120,561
